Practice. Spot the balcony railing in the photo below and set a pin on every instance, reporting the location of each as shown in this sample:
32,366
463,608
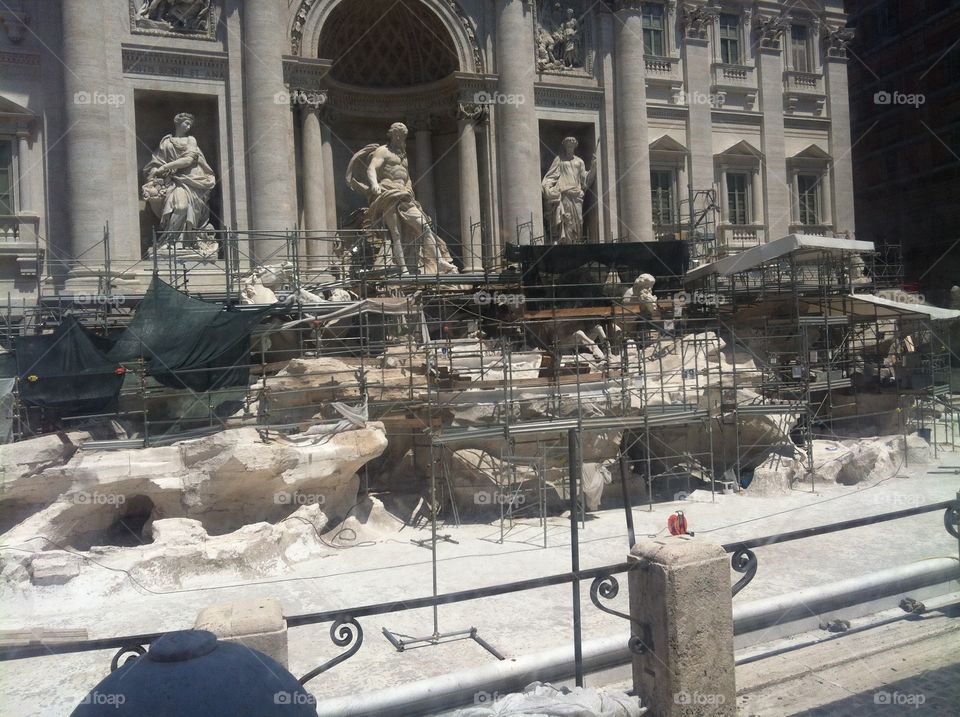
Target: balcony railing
734,75
810,83
739,237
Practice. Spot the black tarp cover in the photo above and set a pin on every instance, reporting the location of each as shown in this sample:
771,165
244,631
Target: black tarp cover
660,258
187,342
67,372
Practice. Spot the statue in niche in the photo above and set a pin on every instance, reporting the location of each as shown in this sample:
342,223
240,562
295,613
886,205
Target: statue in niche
191,16
178,186
558,40
382,174
564,186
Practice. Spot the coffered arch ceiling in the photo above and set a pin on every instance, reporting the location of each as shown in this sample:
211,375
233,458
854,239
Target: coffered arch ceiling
387,43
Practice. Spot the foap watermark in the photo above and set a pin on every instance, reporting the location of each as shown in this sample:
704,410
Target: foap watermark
903,297
300,97
711,99
699,298
293,698
99,299
898,98
498,98
486,497
485,298
900,699
86,498
104,699
485,698
898,501
110,99
285,498
683,697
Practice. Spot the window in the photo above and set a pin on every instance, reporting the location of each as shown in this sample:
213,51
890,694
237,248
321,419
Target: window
738,187
653,29
808,198
6,177
800,48
730,39
661,187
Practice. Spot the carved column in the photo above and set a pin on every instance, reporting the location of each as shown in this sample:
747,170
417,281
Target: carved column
471,241
268,121
516,123
312,172
770,30
25,177
87,141
633,161
838,104
423,186
329,175
696,61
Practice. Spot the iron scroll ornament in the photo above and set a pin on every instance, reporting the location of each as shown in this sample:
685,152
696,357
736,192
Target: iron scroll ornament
951,520
606,587
136,650
743,561
345,631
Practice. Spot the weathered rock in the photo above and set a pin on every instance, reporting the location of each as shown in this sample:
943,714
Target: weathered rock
54,567
225,481
871,461
776,475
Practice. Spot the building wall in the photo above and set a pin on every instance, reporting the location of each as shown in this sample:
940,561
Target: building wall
905,98
263,78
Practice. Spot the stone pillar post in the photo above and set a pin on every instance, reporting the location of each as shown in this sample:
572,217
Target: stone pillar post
423,186
517,129
682,613
770,78
606,187
633,149
838,104
470,241
268,121
314,202
88,150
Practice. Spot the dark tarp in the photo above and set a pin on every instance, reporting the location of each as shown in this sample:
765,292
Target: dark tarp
187,342
660,258
71,375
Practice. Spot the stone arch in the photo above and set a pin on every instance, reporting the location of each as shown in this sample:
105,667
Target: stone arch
308,22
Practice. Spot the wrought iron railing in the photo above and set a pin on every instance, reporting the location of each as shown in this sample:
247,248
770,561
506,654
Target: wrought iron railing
347,632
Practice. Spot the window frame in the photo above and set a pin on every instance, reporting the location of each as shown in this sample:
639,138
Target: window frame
735,39
656,205
648,48
807,47
814,191
746,199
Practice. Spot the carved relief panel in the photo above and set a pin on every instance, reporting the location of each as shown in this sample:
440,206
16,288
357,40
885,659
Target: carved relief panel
193,18
563,39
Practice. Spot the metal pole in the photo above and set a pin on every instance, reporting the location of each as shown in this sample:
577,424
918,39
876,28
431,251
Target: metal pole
576,468
627,505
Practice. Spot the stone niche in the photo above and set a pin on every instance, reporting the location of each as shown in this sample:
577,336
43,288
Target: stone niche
552,134
154,113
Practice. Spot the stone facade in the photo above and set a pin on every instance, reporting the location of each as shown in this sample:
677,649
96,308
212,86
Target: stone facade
746,98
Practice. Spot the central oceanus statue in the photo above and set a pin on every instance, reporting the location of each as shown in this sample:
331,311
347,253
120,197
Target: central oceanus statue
381,173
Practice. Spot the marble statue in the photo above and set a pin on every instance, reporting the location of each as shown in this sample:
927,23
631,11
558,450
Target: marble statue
564,186
641,299
381,172
179,182
174,15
